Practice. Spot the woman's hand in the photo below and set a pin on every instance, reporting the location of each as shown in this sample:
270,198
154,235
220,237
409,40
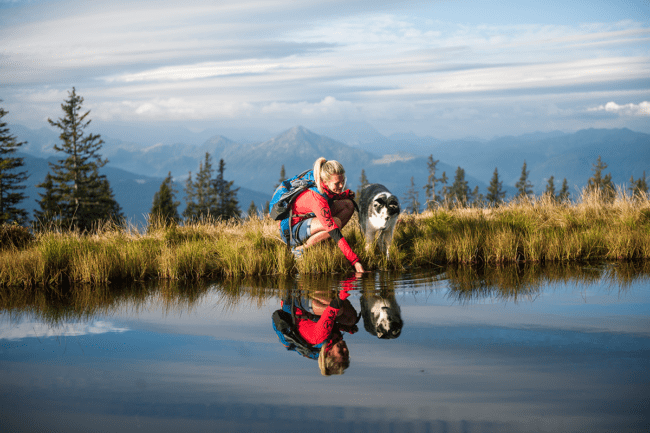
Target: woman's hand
358,267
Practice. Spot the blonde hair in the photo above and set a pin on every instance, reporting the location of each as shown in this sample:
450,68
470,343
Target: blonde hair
324,169
328,365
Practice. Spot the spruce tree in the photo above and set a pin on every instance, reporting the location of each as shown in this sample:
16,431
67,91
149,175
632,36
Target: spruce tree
164,208
226,197
363,181
430,188
283,177
564,191
600,182
201,197
550,187
495,190
411,199
459,191
76,194
444,190
524,187
11,178
639,186
252,210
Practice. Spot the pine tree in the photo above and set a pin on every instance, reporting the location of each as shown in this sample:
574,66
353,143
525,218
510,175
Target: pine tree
201,198
77,195
283,177
165,208
478,199
564,191
639,186
495,190
430,188
411,199
459,190
363,181
11,180
550,187
600,182
252,210
444,190
226,197
524,187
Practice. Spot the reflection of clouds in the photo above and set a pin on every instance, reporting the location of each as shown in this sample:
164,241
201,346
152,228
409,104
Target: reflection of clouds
42,330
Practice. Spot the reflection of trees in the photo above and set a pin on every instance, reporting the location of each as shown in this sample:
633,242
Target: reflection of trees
523,281
465,283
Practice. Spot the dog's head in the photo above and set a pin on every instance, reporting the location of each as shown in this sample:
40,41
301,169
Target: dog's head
382,316
384,207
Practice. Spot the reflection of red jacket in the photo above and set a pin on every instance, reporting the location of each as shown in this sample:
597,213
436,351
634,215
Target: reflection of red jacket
317,332
312,202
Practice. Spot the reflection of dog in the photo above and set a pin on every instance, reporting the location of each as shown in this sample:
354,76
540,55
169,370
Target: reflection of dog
378,212
382,316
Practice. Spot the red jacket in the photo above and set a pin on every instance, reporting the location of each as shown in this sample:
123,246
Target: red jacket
312,202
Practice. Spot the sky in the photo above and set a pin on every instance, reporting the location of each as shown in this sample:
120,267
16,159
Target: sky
446,69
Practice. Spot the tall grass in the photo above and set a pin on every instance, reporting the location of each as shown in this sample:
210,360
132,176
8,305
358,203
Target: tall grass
531,230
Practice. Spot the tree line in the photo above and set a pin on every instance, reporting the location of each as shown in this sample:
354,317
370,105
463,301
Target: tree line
77,196
439,192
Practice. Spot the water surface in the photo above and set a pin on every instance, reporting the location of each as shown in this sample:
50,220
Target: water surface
492,350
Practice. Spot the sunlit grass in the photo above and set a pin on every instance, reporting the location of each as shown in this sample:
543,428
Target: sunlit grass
532,230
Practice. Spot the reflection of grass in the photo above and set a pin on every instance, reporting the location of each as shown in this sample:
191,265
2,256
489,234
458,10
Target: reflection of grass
529,231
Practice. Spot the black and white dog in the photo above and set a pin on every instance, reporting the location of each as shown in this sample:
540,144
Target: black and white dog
378,212
382,315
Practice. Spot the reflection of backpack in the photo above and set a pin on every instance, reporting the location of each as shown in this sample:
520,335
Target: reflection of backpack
287,332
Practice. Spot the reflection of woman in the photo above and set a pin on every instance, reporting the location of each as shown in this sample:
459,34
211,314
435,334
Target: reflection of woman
321,212
335,316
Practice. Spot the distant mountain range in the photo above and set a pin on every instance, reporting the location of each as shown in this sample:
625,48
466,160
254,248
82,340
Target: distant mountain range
136,171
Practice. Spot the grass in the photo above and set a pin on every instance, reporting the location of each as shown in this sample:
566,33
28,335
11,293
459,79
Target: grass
536,230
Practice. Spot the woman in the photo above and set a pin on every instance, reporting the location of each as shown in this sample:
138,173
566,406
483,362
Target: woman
320,213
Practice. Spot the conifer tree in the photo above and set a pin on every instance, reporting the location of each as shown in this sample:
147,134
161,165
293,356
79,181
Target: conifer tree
363,181
283,177
11,180
459,191
495,190
478,199
600,182
639,186
411,199
430,188
523,185
550,187
200,198
226,197
164,207
252,210
444,190
76,194
564,191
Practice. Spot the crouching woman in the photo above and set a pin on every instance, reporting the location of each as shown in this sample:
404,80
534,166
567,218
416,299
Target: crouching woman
320,213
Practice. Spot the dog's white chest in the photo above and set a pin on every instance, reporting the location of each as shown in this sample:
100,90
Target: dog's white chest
379,219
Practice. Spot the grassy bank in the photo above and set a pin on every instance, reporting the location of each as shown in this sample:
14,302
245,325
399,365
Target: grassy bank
536,230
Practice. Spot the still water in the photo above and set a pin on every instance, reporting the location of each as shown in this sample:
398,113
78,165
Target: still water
514,349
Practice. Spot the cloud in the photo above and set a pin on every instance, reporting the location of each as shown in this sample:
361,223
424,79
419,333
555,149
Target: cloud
31,329
635,110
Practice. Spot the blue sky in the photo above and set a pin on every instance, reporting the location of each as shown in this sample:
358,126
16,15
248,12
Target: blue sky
442,68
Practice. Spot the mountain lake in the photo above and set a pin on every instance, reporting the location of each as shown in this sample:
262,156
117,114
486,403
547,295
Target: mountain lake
533,348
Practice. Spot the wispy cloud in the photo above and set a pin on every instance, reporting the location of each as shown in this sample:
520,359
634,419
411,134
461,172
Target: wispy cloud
34,329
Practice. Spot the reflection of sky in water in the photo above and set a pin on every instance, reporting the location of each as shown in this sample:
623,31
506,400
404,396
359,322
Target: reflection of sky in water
571,358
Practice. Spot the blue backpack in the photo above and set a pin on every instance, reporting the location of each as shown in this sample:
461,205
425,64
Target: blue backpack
284,196
284,324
